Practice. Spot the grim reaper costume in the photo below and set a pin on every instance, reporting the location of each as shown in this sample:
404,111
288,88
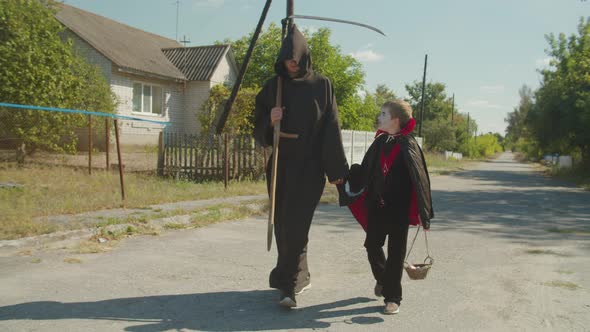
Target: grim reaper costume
311,113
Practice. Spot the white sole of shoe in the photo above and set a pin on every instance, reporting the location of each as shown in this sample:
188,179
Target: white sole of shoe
287,302
391,312
303,289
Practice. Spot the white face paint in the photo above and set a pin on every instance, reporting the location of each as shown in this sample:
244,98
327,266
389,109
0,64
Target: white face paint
384,120
386,123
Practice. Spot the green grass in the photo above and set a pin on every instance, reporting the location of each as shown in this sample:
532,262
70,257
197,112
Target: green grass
579,174
568,231
226,212
51,190
174,225
545,252
562,284
438,165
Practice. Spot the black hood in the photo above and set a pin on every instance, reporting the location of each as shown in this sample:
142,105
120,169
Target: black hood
294,46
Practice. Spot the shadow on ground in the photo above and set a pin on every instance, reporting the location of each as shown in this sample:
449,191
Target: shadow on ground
517,205
255,310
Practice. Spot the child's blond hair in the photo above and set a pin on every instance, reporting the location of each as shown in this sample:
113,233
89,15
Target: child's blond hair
399,109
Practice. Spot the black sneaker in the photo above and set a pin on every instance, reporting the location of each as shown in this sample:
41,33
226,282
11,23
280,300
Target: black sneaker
288,300
378,290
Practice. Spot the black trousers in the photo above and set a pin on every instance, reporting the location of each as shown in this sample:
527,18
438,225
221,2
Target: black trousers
387,271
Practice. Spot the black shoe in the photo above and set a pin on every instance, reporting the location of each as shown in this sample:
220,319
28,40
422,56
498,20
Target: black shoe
272,281
288,300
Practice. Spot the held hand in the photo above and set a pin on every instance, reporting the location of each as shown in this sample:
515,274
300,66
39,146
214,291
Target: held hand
276,114
337,181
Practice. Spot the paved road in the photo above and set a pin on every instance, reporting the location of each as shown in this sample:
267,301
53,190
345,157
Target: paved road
511,249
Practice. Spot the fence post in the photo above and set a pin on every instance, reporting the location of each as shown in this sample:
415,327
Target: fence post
351,147
226,160
107,140
120,162
89,144
161,154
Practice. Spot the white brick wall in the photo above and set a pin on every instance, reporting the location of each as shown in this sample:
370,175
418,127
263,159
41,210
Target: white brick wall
138,132
91,55
196,94
224,73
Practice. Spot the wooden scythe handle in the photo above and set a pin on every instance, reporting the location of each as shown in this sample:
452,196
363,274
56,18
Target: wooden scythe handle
275,161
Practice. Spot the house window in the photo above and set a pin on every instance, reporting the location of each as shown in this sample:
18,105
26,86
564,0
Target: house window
148,99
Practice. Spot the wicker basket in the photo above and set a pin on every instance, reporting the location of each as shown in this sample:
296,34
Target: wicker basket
419,271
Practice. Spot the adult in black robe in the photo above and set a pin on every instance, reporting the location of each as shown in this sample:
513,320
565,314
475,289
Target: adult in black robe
309,111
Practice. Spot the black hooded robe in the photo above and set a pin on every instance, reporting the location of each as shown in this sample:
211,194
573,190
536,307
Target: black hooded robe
310,112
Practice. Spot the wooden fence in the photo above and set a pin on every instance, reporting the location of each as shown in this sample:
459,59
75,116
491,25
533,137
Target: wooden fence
216,157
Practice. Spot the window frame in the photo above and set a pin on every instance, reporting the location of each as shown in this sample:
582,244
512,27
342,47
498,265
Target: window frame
151,98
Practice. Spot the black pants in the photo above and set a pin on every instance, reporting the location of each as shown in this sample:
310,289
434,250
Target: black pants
387,271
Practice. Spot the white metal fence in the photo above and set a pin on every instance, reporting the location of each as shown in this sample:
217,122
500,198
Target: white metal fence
356,143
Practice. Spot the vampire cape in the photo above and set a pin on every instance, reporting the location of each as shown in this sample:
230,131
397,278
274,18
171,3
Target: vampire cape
370,176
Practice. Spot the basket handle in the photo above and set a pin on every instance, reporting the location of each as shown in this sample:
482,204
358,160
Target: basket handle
429,260
412,246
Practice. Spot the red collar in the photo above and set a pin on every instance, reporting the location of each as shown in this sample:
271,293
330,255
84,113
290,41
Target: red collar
404,132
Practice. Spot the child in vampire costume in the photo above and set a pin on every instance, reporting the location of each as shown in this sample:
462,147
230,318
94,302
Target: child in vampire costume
395,187
313,151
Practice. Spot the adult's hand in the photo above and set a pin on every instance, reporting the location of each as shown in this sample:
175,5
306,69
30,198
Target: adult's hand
276,114
337,181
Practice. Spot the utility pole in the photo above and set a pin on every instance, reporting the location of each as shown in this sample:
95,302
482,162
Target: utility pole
468,133
423,101
184,41
290,12
177,7
453,111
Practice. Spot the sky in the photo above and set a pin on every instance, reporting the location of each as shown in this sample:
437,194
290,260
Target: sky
483,51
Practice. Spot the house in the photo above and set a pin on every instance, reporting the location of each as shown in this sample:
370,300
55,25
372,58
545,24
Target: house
153,77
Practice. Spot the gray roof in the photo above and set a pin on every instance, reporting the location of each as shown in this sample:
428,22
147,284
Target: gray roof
125,46
197,63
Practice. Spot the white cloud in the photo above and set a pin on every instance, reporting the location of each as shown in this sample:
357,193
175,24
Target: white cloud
367,56
208,3
491,88
483,104
542,63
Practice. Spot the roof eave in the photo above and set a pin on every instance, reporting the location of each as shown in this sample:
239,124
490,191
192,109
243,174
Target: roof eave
138,72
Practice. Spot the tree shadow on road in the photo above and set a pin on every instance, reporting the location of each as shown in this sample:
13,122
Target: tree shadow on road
521,207
219,311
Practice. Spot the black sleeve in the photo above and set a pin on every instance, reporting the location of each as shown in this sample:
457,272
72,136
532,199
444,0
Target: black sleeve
359,175
333,158
264,103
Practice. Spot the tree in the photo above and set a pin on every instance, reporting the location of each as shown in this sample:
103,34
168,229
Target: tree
517,131
437,104
240,120
439,136
560,119
37,67
383,94
344,71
